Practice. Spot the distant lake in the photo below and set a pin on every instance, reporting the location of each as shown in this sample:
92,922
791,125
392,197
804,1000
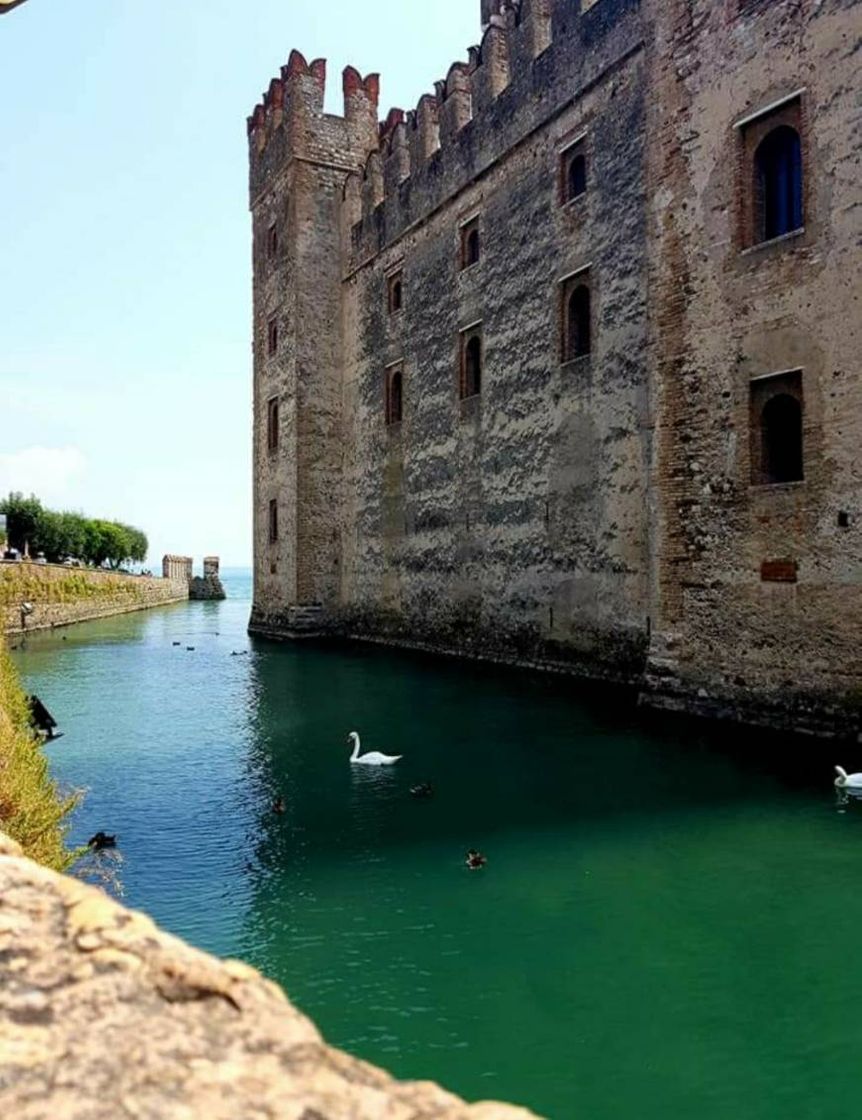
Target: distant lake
667,927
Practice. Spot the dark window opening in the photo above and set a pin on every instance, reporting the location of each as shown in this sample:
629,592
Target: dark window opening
470,243
394,396
781,439
471,366
272,241
395,289
272,424
273,521
272,336
778,184
573,173
577,340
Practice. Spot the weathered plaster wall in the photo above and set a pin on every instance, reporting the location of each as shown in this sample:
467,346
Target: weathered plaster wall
515,523
103,1015
61,596
726,640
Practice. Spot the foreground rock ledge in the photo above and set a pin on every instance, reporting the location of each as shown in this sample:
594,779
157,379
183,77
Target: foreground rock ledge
102,1015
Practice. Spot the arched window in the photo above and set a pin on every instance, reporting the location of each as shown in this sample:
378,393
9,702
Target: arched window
395,292
778,183
470,244
577,326
471,379
394,397
781,439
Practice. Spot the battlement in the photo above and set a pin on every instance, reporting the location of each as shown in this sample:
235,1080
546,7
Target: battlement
483,106
290,119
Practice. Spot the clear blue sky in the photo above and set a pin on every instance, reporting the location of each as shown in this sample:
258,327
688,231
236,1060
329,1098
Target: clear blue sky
125,287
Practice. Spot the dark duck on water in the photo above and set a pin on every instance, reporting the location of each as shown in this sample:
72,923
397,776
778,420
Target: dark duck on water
475,860
101,840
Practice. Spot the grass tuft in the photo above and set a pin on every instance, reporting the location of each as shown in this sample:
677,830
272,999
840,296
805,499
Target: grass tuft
32,809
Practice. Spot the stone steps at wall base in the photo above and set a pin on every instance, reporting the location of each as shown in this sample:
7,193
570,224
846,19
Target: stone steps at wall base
304,621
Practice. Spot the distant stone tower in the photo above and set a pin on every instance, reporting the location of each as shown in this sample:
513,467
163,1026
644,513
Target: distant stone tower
210,586
300,158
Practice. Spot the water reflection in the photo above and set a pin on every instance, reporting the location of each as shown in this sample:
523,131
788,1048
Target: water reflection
659,945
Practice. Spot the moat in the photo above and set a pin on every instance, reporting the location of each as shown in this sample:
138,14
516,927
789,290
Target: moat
667,924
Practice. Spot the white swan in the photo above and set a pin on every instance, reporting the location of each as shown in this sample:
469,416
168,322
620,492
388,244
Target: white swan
372,758
847,781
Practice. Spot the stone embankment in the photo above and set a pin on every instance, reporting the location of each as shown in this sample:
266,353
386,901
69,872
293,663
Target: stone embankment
102,1015
60,596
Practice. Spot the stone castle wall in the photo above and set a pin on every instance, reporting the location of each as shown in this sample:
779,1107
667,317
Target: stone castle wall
758,588
61,596
602,514
102,1014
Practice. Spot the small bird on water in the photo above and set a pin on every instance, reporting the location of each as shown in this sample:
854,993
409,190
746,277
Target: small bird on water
101,840
475,860
278,805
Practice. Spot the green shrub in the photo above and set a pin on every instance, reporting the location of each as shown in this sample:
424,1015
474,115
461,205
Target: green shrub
32,810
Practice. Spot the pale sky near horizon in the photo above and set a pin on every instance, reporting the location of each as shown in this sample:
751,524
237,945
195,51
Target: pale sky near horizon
125,285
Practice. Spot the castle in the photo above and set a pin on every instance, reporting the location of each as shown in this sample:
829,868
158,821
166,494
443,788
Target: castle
561,367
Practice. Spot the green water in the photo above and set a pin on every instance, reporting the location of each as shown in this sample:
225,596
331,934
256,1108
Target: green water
668,924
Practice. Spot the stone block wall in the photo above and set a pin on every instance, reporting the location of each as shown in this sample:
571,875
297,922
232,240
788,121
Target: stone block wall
61,596
610,514
758,585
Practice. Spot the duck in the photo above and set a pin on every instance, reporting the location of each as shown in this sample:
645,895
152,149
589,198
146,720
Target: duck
371,758
176,643
278,805
190,649
847,781
423,789
101,840
475,860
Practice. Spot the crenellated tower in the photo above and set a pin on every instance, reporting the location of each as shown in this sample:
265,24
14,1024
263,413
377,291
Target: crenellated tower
299,158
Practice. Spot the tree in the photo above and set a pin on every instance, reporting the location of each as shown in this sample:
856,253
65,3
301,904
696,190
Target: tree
60,535
23,517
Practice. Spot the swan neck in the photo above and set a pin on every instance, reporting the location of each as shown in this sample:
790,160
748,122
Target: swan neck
355,754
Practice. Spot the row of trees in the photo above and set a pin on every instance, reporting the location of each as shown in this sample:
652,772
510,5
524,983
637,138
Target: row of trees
61,535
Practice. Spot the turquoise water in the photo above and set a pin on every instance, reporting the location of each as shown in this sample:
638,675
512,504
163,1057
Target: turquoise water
668,924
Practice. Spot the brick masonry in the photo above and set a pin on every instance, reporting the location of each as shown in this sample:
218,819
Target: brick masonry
595,514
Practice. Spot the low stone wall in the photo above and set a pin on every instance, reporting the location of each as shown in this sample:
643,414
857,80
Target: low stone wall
103,1015
61,596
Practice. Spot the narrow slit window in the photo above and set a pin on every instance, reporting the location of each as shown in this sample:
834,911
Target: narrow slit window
273,521
272,241
577,320
471,364
573,172
272,424
395,293
394,395
272,336
471,247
